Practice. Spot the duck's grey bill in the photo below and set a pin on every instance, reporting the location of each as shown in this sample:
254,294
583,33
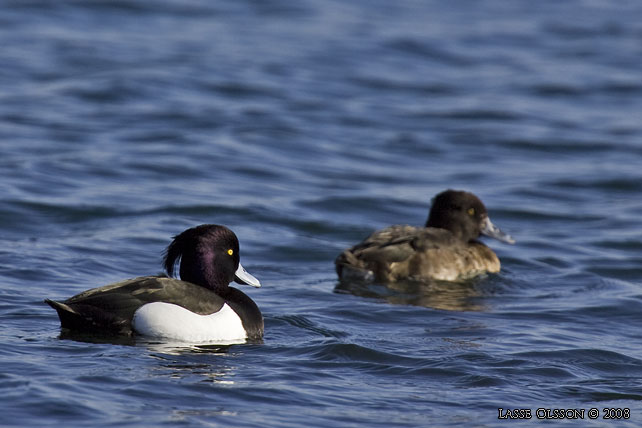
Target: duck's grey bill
243,277
492,231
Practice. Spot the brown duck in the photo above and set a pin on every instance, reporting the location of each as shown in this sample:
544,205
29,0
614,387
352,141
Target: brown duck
445,249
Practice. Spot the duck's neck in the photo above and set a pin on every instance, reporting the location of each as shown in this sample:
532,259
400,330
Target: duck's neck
439,221
460,231
205,276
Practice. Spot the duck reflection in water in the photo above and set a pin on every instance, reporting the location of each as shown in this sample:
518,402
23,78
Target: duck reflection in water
161,346
450,296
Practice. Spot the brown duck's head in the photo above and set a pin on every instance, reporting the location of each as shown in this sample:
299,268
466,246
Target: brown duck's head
463,214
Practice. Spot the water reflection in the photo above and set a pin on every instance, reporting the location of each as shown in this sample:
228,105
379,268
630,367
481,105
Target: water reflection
451,296
178,348
177,363
155,345
79,336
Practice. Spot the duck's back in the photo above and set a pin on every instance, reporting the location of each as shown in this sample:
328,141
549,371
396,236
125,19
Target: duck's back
420,253
112,307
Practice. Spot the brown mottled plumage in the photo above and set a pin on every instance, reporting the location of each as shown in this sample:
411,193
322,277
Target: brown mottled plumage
445,249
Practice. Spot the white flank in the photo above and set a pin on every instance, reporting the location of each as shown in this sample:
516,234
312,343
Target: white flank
171,321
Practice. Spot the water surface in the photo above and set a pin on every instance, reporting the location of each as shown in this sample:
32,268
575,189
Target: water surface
303,127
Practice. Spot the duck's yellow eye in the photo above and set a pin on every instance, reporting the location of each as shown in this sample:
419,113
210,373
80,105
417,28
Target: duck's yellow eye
471,211
230,251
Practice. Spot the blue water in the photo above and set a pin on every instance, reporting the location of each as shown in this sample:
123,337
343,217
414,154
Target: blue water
304,126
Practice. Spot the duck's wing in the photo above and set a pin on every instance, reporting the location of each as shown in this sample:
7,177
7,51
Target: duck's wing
372,258
112,307
392,244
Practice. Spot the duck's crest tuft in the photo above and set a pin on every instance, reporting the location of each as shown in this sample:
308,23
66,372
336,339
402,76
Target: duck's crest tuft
173,253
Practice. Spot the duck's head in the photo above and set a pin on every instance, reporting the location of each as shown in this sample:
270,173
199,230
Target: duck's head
209,256
464,215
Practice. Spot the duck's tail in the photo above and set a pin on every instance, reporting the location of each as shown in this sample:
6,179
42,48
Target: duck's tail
88,318
68,316
350,268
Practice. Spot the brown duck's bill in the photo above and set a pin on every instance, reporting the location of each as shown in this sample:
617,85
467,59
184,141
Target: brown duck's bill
492,231
242,276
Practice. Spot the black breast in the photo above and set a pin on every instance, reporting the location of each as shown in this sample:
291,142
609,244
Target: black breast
247,310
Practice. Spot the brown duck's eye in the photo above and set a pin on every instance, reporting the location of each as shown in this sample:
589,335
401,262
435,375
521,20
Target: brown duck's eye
230,251
471,211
